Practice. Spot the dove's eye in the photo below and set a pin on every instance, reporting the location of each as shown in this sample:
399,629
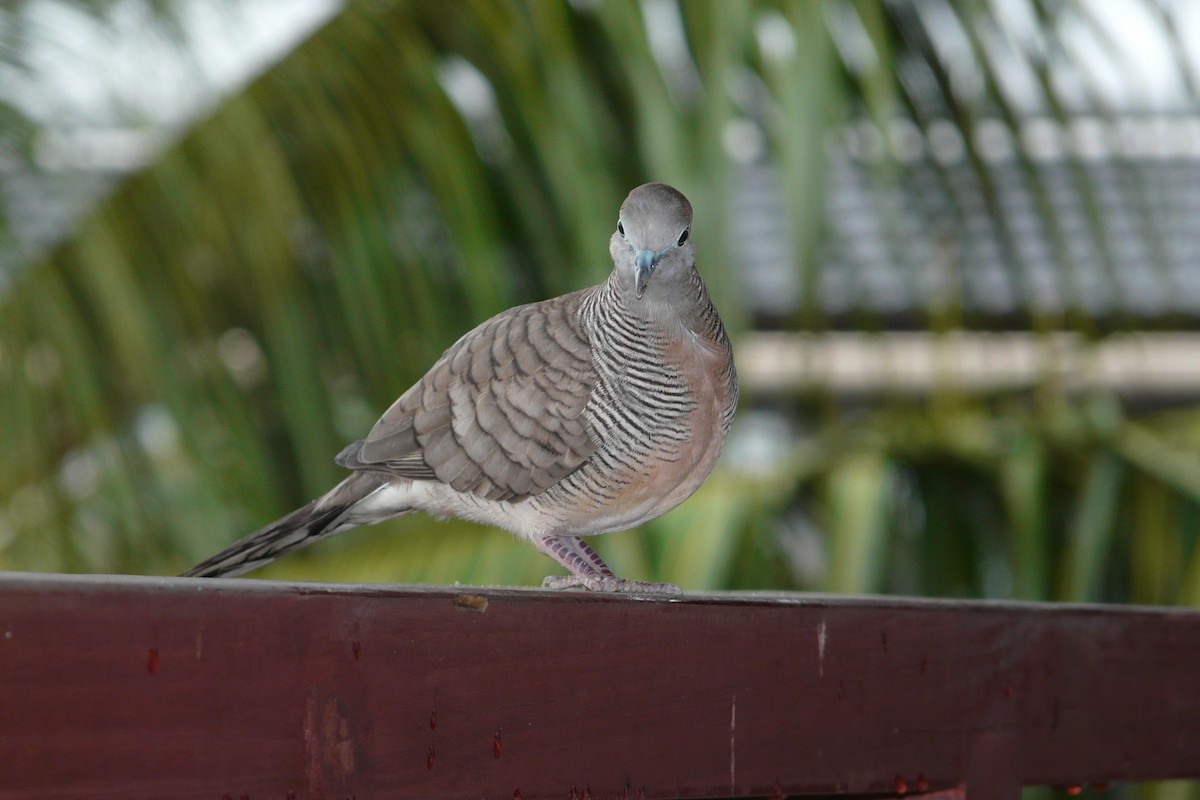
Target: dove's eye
683,237
620,227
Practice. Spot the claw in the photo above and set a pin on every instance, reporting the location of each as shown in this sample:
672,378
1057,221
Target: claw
609,583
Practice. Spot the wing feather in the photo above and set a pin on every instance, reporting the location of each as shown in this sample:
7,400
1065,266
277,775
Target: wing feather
501,413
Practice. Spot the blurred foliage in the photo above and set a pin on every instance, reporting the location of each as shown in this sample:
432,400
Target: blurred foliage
182,368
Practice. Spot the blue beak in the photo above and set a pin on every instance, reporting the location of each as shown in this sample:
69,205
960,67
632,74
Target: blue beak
646,261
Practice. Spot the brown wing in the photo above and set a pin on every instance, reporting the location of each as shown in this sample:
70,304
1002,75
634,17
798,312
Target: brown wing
501,413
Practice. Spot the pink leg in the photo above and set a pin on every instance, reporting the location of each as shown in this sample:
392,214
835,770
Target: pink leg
574,554
588,570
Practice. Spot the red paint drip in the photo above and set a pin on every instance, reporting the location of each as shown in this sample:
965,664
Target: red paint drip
356,648
922,785
899,786
517,793
1074,790
152,661
429,759
496,745
573,795
432,720
776,792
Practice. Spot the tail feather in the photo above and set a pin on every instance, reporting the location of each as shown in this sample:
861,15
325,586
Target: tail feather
307,524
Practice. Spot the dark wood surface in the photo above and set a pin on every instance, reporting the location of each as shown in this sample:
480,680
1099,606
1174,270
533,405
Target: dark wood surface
171,688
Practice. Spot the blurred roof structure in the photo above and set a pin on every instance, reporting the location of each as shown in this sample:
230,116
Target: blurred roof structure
1094,220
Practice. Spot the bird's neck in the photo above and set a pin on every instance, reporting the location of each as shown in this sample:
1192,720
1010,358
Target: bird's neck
680,305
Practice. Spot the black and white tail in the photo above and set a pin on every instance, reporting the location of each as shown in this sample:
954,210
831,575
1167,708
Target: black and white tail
322,517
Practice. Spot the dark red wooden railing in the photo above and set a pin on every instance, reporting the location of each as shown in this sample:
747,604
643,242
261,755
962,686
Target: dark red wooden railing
114,687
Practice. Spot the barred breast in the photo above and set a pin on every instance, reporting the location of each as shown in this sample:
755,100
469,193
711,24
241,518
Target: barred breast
660,410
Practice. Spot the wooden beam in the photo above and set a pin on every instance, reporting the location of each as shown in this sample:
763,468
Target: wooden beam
1136,365
118,687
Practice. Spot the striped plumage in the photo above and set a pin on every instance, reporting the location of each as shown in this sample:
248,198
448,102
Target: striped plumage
584,414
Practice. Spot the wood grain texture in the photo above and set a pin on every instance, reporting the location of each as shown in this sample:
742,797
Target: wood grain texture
174,688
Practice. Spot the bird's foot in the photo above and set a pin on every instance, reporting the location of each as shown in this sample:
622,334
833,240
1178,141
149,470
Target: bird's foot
609,583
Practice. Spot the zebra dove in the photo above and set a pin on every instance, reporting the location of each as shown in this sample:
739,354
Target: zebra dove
584,414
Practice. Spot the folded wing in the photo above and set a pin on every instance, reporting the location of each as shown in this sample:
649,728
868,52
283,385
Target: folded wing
501,413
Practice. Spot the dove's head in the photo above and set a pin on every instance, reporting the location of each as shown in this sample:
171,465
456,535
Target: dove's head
651,247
